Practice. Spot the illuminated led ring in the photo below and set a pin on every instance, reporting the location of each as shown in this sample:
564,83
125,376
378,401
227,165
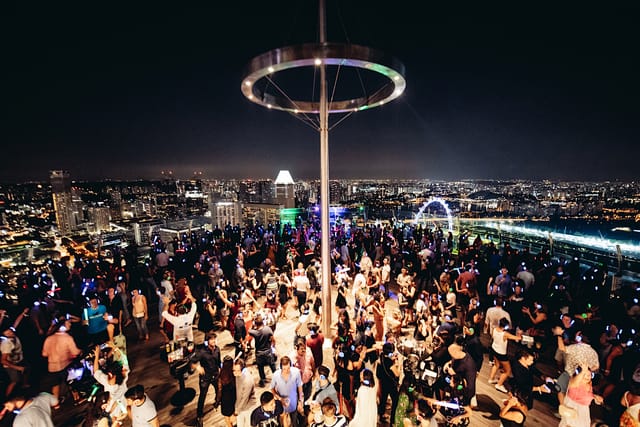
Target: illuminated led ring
346,55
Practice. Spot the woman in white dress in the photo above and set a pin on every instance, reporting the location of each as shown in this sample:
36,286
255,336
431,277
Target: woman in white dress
366,414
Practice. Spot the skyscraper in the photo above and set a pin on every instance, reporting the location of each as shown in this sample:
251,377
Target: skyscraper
284,190
62,202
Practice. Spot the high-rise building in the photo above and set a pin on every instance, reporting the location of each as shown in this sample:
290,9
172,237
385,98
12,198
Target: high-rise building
62,201
225,209
336,192
284,190
100,217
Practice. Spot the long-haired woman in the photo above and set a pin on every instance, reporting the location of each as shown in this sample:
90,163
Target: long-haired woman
365,416
226,397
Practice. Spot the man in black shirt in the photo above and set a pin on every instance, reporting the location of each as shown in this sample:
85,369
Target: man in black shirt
463,365
523,377
207,362
113,304
268,413
263,336
388,373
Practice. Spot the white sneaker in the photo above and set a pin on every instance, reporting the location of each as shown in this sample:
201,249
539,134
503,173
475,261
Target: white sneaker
501,388
493,381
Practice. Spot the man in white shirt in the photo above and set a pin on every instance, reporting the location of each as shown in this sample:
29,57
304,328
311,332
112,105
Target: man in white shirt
494,314
302,285
142,409
183,321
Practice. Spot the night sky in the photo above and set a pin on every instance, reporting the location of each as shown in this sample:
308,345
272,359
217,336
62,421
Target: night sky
500,90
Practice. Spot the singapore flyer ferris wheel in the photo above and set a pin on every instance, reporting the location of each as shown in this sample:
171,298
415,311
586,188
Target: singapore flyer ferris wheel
435,216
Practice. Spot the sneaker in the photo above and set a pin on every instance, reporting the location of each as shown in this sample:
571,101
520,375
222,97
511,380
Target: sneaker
474,403
501,388
493,381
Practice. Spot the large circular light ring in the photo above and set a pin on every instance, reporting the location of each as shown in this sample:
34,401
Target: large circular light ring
309,55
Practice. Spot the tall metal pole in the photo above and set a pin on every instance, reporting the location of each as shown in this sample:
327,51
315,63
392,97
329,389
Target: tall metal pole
324,180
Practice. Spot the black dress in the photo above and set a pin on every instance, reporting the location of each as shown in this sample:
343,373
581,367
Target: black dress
228,398
341,302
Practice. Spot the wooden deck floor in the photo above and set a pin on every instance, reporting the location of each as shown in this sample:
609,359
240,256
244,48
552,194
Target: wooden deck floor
148,369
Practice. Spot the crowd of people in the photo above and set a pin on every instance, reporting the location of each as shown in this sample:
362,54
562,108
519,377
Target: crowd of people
404,294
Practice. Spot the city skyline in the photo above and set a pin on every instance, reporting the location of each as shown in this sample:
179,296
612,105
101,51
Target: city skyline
493,92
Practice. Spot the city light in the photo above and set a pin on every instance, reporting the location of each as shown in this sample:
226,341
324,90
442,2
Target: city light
592,242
